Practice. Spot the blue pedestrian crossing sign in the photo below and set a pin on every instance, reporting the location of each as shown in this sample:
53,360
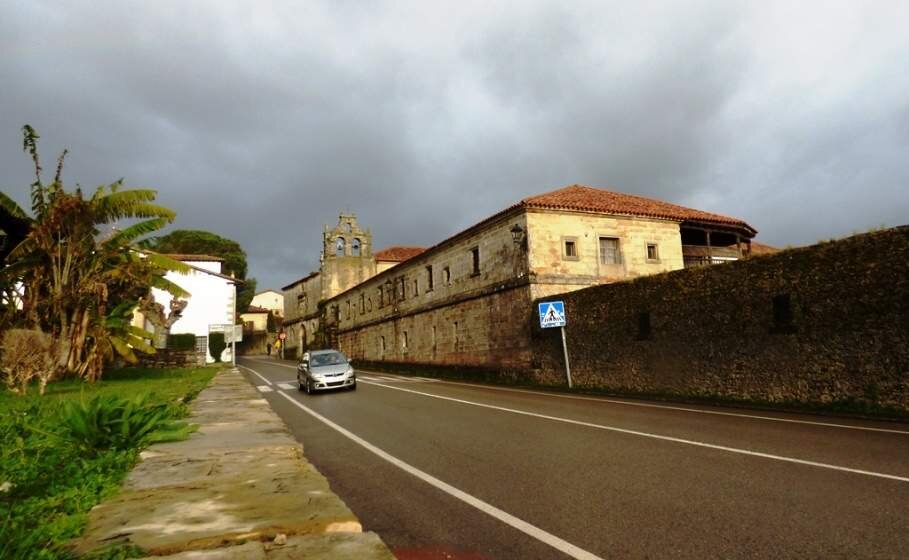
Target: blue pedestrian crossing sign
552,314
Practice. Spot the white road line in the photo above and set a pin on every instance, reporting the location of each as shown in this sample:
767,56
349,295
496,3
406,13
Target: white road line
367,378
655,436
258,374
264,388
286,386
505,517
679,408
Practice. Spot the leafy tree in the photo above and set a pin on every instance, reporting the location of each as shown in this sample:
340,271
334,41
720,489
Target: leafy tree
78,277
198,242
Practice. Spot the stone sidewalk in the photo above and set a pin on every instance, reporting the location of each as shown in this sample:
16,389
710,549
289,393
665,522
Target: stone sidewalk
240,487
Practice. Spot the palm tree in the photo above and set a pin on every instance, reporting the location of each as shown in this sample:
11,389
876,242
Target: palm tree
80,277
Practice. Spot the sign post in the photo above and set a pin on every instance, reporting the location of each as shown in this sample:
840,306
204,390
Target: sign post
552,314
282,336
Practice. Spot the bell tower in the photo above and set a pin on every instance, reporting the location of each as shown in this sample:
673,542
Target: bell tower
347,256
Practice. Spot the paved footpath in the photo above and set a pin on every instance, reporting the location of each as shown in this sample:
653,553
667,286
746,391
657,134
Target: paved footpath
239,488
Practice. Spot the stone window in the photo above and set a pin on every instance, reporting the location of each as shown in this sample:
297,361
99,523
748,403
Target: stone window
446,276
404,341
340,246
369,304
355,247
348,227
653,252
429,279
348,309
644,325
475,258
401,286
610,252
456,336
416,288
382,345
381,297
569,248
362,304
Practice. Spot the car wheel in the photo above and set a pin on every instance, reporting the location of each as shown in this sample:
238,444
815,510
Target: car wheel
354,386
300,386
308,387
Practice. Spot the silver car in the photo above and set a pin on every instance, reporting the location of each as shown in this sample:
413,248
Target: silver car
321,370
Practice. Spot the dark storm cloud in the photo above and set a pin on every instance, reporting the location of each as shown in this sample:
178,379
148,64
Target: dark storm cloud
262,121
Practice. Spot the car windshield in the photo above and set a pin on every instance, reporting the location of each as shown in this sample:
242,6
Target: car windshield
328,359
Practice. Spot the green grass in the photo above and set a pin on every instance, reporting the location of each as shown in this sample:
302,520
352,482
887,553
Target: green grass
55,484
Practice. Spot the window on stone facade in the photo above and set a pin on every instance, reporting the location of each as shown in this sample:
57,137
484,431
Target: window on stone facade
653,252
456,336
429,281
382,345
401,287
340,246
404,341
348,227
609,251
475,258
369,304
644,325
433,337
570,248
381,297
362,304
355,247
446,276
416,288
348,309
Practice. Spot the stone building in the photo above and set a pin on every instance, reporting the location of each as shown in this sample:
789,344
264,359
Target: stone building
347,260
467,300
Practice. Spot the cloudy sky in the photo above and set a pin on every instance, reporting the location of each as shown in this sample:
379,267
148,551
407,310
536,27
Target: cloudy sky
261,121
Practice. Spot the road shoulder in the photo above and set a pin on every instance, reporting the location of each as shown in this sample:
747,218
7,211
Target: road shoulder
240,487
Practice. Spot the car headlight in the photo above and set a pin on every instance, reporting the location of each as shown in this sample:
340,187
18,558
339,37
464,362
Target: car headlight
350,370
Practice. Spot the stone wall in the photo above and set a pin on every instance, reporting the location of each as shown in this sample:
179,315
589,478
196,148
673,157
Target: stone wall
548,231
822,325
489,330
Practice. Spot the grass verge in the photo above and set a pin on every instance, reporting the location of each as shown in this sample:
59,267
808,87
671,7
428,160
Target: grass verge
47,487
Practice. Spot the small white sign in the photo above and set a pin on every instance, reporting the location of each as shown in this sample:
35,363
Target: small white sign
552,314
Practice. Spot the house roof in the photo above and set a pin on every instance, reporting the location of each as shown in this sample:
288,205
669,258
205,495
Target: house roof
187,257
583,198
256,309
305,278
268,291
398,254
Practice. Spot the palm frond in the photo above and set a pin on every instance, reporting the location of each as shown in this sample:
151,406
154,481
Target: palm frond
166,263
173,289
10,206
137,230
134,203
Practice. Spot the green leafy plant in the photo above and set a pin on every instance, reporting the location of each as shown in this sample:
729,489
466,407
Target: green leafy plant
112,422
216,345
185,341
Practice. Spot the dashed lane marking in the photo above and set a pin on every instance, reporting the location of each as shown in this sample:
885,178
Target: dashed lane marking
259,375
286,386
653,436
503,516
264,388
663,406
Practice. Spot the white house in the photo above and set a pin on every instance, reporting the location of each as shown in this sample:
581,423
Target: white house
270,300
212,299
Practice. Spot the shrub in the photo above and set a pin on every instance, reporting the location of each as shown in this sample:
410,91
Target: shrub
27,355
184,341
116,423
216,345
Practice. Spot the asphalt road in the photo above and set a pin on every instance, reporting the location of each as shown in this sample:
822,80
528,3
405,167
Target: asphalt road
447,470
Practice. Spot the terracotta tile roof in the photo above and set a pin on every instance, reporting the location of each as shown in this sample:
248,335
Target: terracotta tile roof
256,309
589,199
198,258
398,254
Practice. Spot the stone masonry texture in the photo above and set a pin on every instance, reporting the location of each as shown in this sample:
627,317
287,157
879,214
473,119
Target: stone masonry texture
821,325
